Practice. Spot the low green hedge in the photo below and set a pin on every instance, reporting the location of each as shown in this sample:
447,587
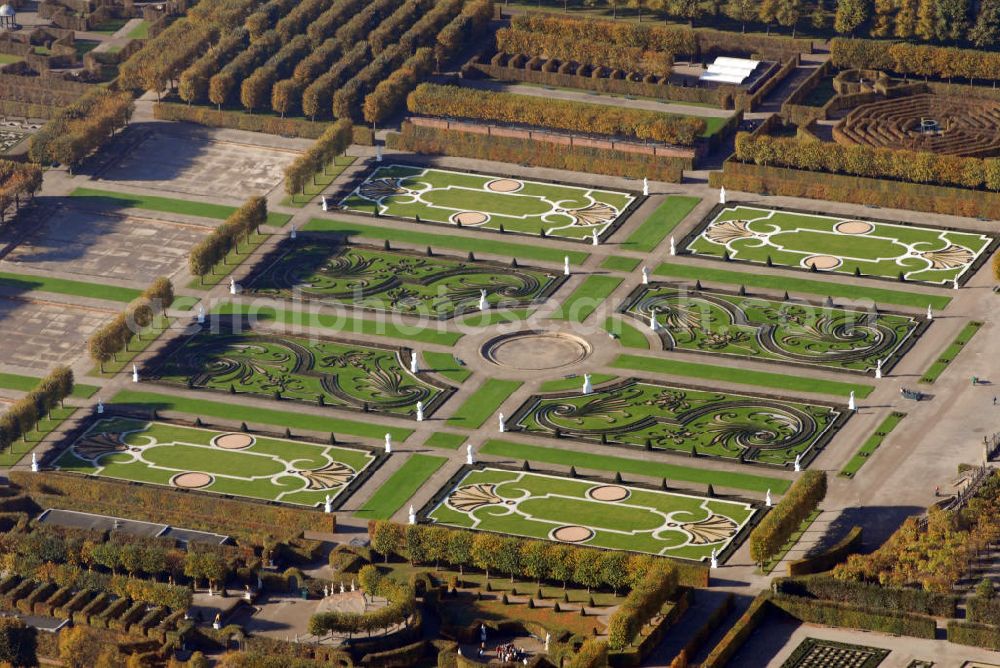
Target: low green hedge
738,634
866,595
976,635
983,610
829,613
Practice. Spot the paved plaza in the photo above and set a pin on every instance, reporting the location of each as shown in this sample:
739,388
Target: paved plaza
39,335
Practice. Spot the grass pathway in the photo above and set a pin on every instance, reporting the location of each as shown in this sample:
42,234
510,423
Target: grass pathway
64,286
483,403
165,205
403,484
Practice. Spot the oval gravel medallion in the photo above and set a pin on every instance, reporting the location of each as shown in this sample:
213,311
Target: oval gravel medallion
572,534
191,480
235,441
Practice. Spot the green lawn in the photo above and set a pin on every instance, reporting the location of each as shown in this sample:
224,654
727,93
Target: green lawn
627,335
537,252
167,205
871,445
797,383
942,362
342,324
532,505
319,182
645,467
796,239
7,59
257,416
403,484
587,297
253,466
768,281
141,31
446,365
136,345
662,222
234,258
13,453
445,440
563,384
496,317
619,263
109,27
63,286
488,202
11,381
483,403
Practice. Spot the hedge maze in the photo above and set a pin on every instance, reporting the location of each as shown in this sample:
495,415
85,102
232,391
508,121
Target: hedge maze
239,463
611,516
816,653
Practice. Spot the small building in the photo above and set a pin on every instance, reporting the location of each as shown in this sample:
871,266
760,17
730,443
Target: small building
7,17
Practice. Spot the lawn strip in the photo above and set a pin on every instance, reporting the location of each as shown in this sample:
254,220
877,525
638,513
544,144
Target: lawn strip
790,543
942,362
138,343
446,365
482,403
587,297
233,259
319,182
563,384
539,251
496,317
612,464
619,263
12,454
167,205
63,286
13,381
445,440
762,280
660,223
184,303
253,415
626,334
403,484
871,445
339,323
730,374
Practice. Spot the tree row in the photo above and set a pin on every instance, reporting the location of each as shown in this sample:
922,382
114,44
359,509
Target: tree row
22,416
114,337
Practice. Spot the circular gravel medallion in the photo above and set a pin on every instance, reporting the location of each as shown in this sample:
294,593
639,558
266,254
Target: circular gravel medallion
572,534
504,186
854,227
608,493
821,262
191,480
233,441
470,218
533,351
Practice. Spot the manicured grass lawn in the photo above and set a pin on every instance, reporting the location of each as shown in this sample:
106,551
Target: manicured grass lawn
257,468
938,367
494,317
394,492
483,403
12,454
562,384
446,365
63,286
663,221
762,280
538,252
790,543
167,205
587,297
7,59
795,239
141,31
233,259
445,440
727,324
628,336
184,303
139,343
527,207
109,27
533,505
11,381
644,467
797,383
256,416
871,445
319,182
341,324
619,263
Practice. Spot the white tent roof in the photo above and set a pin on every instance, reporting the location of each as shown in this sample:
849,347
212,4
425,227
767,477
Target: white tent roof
729,70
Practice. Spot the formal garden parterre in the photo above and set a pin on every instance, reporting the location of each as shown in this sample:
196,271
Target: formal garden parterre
593,513
425,284
238,464
726,323
816,653
490,202
229,357
686,420
843,245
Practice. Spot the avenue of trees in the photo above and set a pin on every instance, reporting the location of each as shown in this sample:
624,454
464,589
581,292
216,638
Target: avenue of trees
22,416
82,127
113,337
214,248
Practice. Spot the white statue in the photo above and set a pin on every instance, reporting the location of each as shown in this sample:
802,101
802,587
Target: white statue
100,406
645,276
413,515
328,504
954,284
483,304
645,187
722,195
878,368
673,247
233,288
388,444
420,411
322,201
343,589
653,325
378,153
930,313
767,498
566,266
587,387
354,585
596,239
548,638
291,233
851,405
34,463
326,591
798,463
502,423
715,559
414,363
201,314
469,459
135,373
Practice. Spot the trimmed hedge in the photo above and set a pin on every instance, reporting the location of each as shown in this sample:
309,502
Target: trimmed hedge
642,603
829,557
593,653
923,60
796,505
867,595
440,141
738,634
983,610
829,613
976,635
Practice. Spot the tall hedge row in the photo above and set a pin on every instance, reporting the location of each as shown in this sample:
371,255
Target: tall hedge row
895,599
922,60
334,141
976,635
778,525
81,128
213,249
828,613
643,602
22,416
113,337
